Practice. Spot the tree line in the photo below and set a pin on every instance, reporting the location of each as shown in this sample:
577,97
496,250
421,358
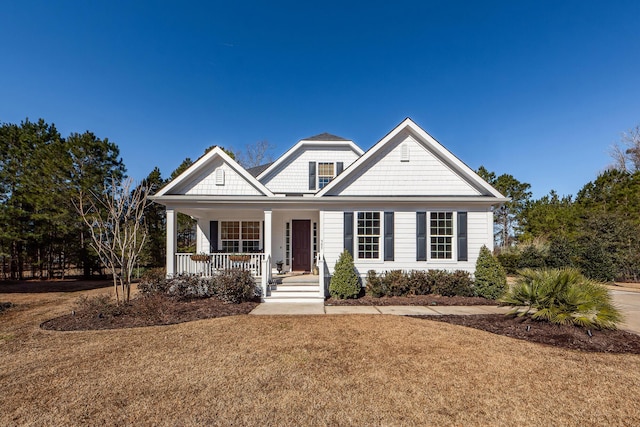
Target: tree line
43,177
43,174
597,231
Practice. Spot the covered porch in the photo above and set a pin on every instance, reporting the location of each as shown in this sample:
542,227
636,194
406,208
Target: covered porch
262,240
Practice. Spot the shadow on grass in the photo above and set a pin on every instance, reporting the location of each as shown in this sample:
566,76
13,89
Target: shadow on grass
43,286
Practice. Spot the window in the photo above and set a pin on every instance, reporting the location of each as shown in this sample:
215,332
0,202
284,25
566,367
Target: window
325,174
315,241
441,233
240,234
250,236
287,242
368,235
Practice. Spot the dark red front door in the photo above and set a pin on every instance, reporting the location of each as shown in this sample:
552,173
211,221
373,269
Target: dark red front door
301,244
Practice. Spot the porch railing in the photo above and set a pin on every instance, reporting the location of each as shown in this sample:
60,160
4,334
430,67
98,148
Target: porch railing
211,263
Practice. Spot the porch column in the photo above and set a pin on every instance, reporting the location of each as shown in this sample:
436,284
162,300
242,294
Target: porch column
267,234
172,241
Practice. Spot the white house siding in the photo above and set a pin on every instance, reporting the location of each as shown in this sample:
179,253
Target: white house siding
423,175
293,175
479,232
204,183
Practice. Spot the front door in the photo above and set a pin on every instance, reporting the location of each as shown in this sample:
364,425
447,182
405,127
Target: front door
301,245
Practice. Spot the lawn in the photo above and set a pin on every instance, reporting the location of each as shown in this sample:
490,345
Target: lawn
322,370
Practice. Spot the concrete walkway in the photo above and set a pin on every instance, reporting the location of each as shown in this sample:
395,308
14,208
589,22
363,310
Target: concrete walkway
626,299
281,308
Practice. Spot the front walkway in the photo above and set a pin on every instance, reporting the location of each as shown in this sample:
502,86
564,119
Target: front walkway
401,310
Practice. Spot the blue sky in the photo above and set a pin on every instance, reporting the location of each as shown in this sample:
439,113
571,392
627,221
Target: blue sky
538,89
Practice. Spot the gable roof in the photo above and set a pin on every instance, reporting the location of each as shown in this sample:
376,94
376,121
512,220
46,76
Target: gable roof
205,160
315,142
257,170
325,137
448,158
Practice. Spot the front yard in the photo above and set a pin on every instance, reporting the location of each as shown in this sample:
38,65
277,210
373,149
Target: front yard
316,370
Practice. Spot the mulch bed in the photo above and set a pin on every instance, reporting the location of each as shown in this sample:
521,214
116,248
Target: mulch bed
525,328
411,300
148,311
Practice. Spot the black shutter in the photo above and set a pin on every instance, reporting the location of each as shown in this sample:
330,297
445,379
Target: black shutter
348,232
388,236
213,236
421,236
312,175
339,168
462,236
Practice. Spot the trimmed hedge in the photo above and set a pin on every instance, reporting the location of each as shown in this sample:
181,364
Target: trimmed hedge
418,282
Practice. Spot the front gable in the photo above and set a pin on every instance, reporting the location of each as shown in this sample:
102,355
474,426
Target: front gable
409,162
215,174
290,173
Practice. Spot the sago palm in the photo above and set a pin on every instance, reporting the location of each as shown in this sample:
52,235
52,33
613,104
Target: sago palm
562,296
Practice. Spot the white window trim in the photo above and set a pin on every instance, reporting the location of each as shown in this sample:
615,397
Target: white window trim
454,240
240,240
335,167
356,251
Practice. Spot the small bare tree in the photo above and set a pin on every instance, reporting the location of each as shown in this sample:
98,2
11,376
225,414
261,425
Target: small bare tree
118,233
255,154
626,154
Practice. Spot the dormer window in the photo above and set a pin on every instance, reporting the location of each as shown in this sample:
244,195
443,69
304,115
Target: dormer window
322,173
325,174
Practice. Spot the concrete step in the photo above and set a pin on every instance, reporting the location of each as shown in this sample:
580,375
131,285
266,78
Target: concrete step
280,299
304,287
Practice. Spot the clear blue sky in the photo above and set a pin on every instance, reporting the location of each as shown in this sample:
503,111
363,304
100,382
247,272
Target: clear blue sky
538,89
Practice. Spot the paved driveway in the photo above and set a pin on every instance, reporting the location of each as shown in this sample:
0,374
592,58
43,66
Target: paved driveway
629,303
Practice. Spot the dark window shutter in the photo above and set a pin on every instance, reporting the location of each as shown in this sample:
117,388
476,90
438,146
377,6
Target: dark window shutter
348,232
462,236
312,175
421,236
339,168
213,236
388,236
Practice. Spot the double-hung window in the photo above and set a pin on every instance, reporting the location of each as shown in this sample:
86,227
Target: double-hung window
368,235
441,234
326,172
237,235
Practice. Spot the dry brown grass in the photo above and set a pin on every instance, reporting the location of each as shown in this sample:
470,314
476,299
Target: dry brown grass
322,370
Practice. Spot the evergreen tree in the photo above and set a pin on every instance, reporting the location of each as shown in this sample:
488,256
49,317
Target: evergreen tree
490,277
345,283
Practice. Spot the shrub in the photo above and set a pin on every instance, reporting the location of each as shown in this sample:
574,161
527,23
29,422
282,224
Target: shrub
344,282
418,283
509,261
562,296
394,283
458,283
235,286
531,257
561,253
188,286
490,278
153,281
98,306
374,284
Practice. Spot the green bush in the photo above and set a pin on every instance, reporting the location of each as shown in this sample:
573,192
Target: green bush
345,283
458,283
562,296
509,261
531,257
561,253
490,278
235,286
374,284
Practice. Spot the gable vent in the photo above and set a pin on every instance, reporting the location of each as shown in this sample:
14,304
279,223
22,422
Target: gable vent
404,152
219,176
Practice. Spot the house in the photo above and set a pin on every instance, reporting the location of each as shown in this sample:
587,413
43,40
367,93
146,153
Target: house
406,203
